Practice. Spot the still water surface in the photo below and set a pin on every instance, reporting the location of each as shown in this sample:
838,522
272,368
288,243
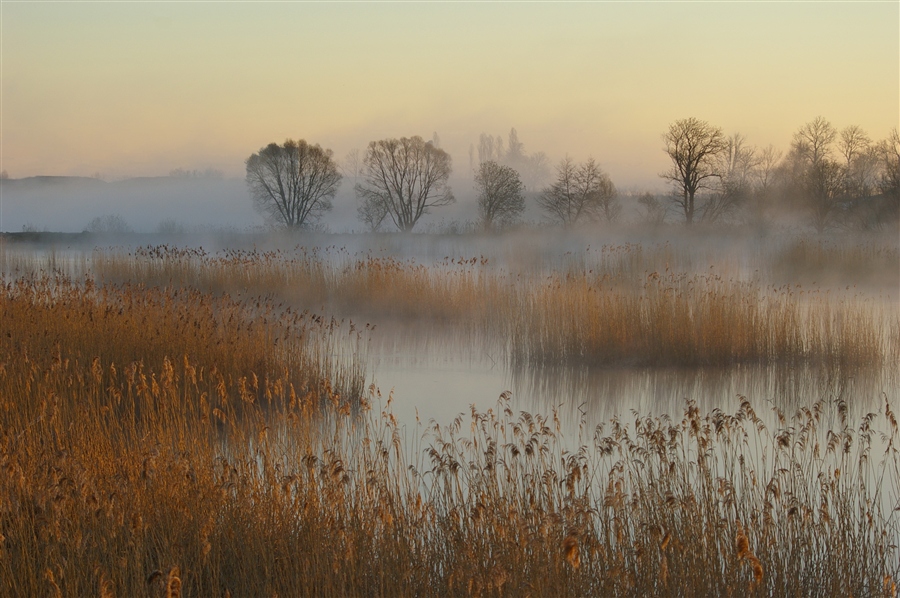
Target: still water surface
435,376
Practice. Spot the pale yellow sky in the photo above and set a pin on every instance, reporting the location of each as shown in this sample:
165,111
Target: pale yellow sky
133,89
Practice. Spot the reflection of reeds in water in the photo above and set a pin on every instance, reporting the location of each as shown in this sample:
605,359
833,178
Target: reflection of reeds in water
153,442
604,392
817,260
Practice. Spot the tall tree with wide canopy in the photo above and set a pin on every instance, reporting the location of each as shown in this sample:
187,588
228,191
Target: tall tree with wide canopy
403,178
292,184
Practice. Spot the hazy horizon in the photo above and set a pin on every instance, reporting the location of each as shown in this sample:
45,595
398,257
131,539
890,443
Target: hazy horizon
140,89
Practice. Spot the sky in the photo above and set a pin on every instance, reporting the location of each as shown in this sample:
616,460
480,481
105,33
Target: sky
141,88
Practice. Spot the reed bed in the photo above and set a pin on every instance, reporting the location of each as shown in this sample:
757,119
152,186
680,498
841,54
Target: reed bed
704,320
608,314
154,442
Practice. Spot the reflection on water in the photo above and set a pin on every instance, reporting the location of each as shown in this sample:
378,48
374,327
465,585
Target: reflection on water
436,376
604,393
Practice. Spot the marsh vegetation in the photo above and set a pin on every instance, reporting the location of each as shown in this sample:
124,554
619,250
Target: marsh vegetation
177,421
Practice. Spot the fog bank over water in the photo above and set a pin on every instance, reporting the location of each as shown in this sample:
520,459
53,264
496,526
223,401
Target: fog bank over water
69,204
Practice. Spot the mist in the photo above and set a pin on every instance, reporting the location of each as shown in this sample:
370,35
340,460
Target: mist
444,298
69,204
172,204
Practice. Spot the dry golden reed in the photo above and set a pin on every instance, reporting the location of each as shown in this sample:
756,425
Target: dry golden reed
146,424
173,584
744,553
613,313
742,544
570,550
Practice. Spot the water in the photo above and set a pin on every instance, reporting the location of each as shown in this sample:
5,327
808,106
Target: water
437,375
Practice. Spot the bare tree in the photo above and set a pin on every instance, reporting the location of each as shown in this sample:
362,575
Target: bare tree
861,178
535,170
111,223
693,146
737,163
608,208
515,149
889,155
500,199
580,193
403,179
813,140
292,184
170,226
652,210
860,162
352,166
853,143
888,151
560,198
824,184
764,178
490,148
769,158
372,214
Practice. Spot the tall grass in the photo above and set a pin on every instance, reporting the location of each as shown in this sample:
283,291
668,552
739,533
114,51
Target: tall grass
156,442
675,319
609,314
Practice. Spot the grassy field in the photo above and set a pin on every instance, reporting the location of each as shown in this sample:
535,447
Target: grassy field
164,431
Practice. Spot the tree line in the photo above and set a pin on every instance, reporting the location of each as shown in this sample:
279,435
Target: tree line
830,177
